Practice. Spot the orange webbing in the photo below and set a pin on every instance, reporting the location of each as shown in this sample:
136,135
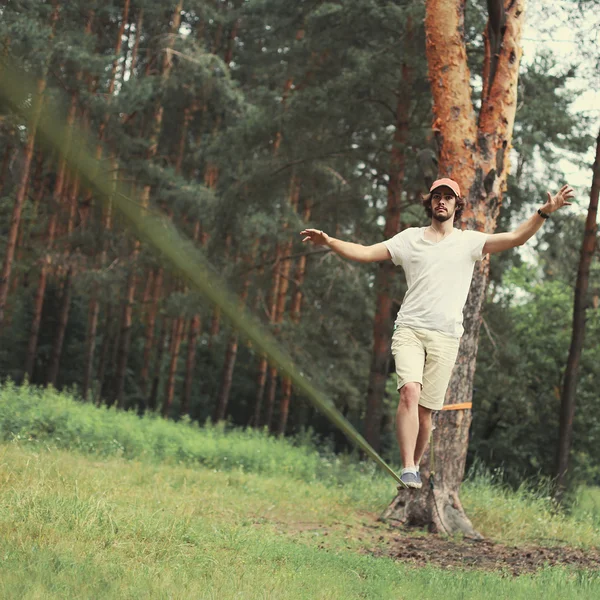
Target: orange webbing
457,406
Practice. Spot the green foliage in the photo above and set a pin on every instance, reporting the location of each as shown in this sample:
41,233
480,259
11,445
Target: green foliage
519,381
346,68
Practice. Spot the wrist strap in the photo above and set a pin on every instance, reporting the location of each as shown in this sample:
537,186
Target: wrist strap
543,214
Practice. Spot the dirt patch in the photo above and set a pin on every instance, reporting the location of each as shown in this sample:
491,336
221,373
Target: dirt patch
417,548
485,555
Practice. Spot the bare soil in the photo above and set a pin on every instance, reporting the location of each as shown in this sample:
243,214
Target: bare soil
485,555
418,548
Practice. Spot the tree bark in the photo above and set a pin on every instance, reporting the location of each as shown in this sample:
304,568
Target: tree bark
125,338
178,325
263,363
15,223
386,272
567,401
476,155
284,283
194,330
152,400
62,327
20,198
230,357
103,361
94,309
155,130
149,335
295,310
7,152
57,196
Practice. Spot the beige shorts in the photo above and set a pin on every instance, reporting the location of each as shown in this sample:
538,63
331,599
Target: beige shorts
426,357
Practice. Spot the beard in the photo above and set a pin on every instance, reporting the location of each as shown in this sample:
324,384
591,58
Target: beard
442,217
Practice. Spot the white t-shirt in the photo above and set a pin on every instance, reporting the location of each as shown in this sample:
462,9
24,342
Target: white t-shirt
438,276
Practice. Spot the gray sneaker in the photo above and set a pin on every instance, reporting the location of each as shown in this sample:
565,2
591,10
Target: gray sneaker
412,480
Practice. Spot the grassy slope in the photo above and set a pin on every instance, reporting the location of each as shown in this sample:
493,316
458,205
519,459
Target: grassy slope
101,526
71,526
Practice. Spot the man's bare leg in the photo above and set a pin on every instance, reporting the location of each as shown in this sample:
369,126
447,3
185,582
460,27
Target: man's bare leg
407,422
424,433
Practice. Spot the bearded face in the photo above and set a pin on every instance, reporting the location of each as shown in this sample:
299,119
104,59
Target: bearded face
443,204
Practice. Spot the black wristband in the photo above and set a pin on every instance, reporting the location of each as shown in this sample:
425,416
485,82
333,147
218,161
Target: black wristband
543,214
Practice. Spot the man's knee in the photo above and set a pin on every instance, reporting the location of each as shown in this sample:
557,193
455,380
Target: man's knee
410,394
425,414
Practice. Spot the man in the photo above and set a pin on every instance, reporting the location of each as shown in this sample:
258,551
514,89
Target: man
438,261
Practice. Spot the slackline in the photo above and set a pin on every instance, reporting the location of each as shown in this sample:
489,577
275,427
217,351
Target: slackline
74,145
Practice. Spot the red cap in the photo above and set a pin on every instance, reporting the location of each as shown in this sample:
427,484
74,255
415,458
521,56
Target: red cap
448,183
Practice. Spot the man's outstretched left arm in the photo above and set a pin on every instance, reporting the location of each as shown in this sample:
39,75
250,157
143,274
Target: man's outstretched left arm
497,242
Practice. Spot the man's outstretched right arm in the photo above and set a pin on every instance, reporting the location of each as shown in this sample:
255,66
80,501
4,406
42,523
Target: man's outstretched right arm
349,250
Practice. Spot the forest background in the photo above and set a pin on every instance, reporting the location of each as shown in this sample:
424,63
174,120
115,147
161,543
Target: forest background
244,122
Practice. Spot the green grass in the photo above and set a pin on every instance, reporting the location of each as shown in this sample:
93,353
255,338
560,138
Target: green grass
73,526
525,515
100,504
46,418
587,505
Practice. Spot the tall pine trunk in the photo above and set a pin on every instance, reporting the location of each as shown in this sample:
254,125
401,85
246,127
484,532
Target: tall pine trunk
194,330
231,354
57,196
149,334
475,152
155,131
263,370
567,401
63,320
295,310
94,306
125,338
104,350
263,363
178,327
7,153
160,348
386,271
15,221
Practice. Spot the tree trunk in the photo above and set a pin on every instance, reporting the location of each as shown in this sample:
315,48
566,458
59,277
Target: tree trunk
175,344
15,222
476,155
94,308
149,336
152,401
281,297
271,390
230,358
567,401
24,179
104,352
295,309
125,339
155,130
38,305
62,327
57,197
90,342
194,330
263,364
386,272
156,125
7,152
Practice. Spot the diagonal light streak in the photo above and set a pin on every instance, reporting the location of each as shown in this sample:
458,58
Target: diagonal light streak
160,233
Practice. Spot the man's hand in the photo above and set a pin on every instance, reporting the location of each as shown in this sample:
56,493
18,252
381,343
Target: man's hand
316,236
559,200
